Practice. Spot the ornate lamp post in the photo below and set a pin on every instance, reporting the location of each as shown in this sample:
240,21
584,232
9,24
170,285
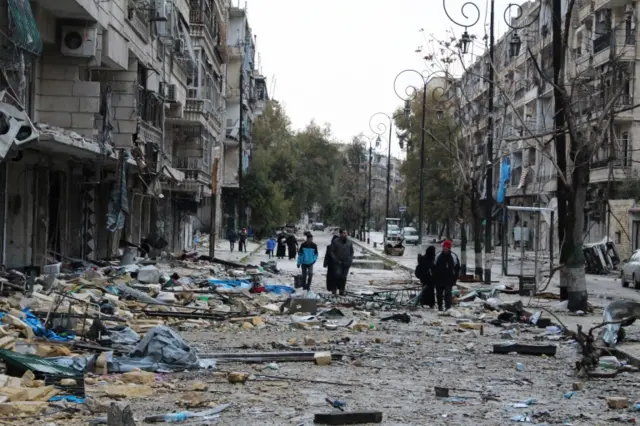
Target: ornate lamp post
514,50
410,94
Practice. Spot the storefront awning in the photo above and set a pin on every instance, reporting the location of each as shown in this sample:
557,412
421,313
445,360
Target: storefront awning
172,173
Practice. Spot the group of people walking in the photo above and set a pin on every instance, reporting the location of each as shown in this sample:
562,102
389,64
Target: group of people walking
438,273
240,237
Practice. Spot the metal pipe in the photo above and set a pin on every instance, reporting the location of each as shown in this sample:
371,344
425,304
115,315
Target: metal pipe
368,223
422,161
386,225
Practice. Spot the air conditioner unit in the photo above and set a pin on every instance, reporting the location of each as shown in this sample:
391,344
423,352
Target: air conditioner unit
179,47
159,11
80,42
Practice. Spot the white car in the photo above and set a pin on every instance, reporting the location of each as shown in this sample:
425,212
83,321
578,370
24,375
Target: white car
393,230
630,272
410,235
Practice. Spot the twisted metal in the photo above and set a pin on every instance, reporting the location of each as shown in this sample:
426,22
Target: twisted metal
520,11
381,128
462,10
412,91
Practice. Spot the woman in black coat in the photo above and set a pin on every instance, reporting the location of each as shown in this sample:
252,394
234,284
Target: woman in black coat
424,272
332,284
281,251
292,245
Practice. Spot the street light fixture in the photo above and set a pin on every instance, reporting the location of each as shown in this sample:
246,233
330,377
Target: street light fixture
514,49
439,113
410,94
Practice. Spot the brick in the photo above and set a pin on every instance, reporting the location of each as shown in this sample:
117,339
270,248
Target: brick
60,119
617,402
127,126
322,358
90,104
59,104
86,88
55,87
82,120
125,113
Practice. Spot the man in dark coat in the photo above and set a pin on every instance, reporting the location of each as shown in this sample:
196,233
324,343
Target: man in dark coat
424,272
292,246
232,237
446,271
341,253
281,252
242,245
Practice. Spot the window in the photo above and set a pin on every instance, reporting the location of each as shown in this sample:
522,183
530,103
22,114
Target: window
618,237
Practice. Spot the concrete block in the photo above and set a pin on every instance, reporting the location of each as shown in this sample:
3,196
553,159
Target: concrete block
82,120
322,358
55,87
115,52
123,87
89,104
53,71
617,402
60,119
86,88
126,76
125,113
123,100
59,104
123,140
127,126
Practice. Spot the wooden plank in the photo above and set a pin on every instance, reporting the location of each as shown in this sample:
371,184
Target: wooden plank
348,418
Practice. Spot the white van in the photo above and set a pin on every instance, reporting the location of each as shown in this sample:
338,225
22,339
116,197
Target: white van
410,235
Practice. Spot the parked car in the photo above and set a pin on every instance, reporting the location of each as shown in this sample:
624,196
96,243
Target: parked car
410,235
393,230
317,226
630,272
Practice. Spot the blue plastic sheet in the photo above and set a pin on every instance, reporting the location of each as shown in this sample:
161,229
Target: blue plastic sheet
68,398
505,175
40,331
229,284
279,289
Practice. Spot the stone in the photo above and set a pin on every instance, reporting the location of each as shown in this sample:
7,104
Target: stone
271,308
149,275
199,386
128,391
247,325
470,325
378,340
360,326
292,342
23,408
139,377
101,364
68,382
237,377
322,358
7,342
578,386
18,323
257,321
27,378
617,402
309,341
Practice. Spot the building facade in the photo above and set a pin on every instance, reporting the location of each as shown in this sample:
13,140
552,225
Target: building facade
119,113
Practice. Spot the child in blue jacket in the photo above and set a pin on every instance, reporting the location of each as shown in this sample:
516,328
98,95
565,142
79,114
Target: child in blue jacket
271,246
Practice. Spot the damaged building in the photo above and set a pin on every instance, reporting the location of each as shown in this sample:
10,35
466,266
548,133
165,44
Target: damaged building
113,125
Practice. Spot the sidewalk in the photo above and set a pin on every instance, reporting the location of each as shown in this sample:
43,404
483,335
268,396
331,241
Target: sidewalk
223,250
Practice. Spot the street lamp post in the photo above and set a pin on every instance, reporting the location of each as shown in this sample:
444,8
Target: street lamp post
410,93
514,50
369,190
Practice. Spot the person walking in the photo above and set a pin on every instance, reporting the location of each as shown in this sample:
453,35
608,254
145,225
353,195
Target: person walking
341,252
282,246
232,237
424,272
332,283
445,274
271,245
242,245
307,257
292,246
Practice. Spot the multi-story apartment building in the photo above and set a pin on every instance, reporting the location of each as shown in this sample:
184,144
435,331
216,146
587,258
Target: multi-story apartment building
117,124
602,43
246,100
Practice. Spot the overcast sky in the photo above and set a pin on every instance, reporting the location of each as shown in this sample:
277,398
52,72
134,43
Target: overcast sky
335,61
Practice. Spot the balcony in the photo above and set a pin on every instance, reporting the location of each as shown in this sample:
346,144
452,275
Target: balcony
201,110
585,9
609,4
149,107
195,169
623,106
623,42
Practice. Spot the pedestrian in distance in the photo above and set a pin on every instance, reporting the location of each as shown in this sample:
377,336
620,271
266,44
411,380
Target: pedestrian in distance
242,245
425,273
292,246
282,246
271,245
307,257
446,271
332,283
341,252
232,237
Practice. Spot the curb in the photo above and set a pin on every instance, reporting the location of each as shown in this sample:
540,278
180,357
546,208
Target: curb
380,256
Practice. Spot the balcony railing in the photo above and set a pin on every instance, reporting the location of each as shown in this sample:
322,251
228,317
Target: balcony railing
203,14
619,37
149,107
194,168
620,157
